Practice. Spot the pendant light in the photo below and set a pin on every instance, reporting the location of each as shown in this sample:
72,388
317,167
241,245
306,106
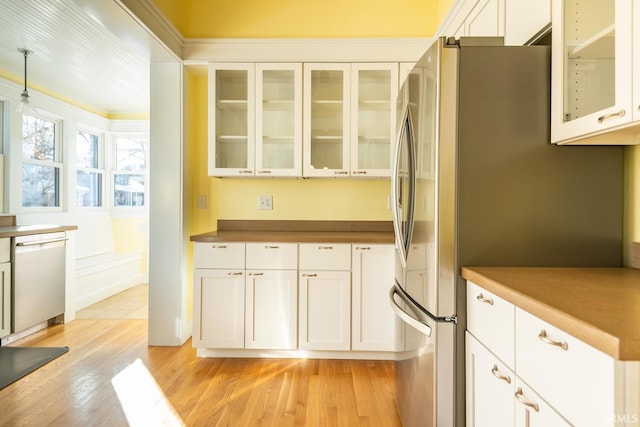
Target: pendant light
24,105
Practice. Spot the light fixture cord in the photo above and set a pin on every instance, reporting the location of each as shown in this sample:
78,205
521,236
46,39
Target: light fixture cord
25,93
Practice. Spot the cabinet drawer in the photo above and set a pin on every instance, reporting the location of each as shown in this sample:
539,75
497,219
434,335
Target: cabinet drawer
272,256
491,320
325,256
575,378
218,255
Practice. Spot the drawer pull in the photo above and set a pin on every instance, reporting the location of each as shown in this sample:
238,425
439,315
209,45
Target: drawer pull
363,248
271,247
325,248
256,274
235,273
525,402
544,338
482,298
496,373
219,247
309,275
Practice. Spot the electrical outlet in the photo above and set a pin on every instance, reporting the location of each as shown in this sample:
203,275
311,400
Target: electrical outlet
202,201
265,203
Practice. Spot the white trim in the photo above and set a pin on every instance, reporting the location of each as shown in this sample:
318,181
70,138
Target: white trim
201,51
295,354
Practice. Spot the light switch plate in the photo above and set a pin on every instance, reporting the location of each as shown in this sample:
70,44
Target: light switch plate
265,203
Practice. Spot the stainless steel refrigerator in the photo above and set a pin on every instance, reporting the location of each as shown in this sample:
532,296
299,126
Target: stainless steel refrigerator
476,182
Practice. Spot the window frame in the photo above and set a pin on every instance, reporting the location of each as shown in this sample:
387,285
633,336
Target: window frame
121,210
56,163
101,169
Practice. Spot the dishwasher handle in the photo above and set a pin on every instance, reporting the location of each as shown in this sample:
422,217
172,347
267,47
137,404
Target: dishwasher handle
41,242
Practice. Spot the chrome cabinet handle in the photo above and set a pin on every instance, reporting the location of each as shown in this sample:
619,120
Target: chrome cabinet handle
264,171
309,275
496,373
256,274
482,298
359,172
245,171
620,113
341,173
363,248
325,248
235,273
271,247
520,396
218,246
544,338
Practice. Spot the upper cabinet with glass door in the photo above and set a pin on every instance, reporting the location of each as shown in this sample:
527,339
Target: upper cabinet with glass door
326,118
231,119
591,70
373,118
279,119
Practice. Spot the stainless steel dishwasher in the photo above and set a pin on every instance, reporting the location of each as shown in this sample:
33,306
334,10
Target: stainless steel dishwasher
38,279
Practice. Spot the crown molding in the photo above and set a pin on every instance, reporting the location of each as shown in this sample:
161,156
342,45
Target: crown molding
200,51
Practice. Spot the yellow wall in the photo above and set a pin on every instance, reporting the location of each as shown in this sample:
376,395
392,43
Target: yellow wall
130,235
307,18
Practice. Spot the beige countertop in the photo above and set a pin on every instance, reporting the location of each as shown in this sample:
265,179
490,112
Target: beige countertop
600,306
300,231
24,230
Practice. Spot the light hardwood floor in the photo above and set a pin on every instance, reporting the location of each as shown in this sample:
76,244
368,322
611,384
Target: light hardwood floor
79,388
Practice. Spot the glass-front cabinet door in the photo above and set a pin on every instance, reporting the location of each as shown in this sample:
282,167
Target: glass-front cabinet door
591,67
231,119
326,118
373,118
279,119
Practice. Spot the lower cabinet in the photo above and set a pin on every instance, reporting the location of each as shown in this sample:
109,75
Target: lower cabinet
218,308
5,299
271,309
325,310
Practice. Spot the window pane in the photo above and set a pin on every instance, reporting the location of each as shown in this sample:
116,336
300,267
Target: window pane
89,189
88,150
130,154
38,139
40,185
128,190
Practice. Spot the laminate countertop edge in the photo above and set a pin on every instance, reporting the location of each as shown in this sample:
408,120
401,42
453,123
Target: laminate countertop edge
26,230
600,306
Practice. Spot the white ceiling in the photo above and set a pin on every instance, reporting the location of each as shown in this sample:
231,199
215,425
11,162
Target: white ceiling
76,52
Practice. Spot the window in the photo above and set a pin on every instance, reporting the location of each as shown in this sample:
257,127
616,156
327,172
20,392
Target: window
90,174
41,166
129,172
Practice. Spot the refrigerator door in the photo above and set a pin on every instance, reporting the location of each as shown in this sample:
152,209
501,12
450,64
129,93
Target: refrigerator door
425,368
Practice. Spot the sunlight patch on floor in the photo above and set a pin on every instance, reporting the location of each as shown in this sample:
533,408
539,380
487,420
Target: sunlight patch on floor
143,402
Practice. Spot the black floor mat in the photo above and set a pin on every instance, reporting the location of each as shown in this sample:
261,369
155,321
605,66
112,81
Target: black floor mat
16,362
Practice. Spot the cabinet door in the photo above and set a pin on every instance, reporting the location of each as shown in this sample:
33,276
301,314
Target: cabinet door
218,308
325,310
486,19
278,119
374,88
525,19
231,119
374,326
5,299
326,117
591,67
490,387
271,309
532,411
636,64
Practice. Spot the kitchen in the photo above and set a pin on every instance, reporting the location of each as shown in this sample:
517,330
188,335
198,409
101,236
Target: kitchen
289,196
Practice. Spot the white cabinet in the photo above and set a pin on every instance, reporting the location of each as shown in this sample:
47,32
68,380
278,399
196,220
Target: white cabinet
524,20
592,74
374,326
255,119
271,314
218,295
485,19
556,379
325,297
349,117
231,119
5,287
490,387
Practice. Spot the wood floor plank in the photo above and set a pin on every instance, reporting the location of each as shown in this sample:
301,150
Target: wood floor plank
77,390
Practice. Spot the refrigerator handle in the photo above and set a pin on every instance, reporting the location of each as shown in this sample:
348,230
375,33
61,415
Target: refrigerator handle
395,213
405,316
